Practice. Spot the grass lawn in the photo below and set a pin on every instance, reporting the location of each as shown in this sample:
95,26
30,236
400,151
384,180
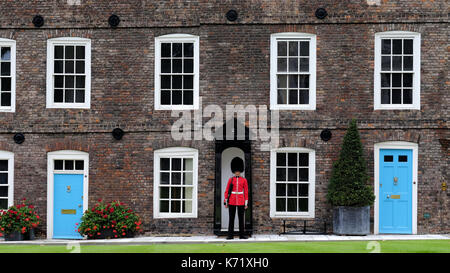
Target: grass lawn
416,246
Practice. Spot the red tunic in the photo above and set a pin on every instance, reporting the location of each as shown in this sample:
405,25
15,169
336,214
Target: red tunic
239,195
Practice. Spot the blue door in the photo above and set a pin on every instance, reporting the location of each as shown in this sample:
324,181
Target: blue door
395,192
68,205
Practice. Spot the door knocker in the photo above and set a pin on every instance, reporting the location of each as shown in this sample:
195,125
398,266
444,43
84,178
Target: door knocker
395,181
68,189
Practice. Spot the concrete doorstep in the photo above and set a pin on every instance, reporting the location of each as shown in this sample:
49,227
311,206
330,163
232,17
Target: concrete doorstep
221,240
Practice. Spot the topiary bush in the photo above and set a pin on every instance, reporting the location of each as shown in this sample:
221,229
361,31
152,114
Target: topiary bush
348,183
109,220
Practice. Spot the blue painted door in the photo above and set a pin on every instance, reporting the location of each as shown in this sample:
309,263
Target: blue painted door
68,205
395,192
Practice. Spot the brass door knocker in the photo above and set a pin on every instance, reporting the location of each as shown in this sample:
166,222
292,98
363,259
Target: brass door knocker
395,181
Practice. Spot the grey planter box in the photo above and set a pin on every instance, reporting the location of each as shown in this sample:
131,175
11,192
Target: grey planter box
351,220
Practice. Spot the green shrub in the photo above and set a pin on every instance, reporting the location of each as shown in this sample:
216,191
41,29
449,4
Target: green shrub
349,178
113,216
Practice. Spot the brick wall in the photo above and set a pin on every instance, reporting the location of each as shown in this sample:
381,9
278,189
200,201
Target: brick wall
234,68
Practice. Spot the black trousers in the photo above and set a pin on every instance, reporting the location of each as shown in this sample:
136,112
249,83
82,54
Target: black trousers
232,213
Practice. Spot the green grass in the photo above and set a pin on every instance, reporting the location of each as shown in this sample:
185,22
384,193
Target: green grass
416,246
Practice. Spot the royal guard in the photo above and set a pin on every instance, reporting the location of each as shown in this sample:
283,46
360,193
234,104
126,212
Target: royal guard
236,197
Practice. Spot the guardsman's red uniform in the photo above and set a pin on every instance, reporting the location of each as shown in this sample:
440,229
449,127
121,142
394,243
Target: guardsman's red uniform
239,194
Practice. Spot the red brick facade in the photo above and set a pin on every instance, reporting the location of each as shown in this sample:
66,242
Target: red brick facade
235,67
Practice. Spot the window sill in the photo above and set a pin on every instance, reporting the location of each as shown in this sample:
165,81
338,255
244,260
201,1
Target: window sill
300,216
172,216
291,107
396,108
176,108
69,106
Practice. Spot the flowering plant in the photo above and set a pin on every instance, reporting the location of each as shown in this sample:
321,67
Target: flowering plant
106,217
20,217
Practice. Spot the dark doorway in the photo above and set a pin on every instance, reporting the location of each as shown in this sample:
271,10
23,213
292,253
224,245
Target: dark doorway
227,148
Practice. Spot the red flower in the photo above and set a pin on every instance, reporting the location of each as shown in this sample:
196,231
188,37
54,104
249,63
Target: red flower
1,234
111,210
99,200
98,233
114,231
123,234
115,236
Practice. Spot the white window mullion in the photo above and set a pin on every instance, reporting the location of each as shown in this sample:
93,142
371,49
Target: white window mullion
162,102
7,75
182,154
64,43
287,183
403,37
9,157
287,104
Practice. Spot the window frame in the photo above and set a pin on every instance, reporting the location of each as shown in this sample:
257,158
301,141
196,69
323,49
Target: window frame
416,70
173,38
312,181
51,43
5,155
182,152
312,70
12,44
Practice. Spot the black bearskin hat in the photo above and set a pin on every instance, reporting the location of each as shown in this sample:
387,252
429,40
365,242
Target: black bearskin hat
237,164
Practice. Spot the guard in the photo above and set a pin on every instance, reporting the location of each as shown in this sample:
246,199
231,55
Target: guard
236,197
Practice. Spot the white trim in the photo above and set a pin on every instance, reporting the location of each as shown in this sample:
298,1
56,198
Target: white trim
396,145
177,38
273,70
312,183
175,152
5,155
12,44
65,154
416,70
50,67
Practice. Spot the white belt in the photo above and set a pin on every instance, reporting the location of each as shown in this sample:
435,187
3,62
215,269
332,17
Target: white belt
237,192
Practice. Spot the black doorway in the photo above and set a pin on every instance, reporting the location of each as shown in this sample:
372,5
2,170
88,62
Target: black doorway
220,147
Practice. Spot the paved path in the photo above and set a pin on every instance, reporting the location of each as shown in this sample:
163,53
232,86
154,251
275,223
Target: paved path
215,239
